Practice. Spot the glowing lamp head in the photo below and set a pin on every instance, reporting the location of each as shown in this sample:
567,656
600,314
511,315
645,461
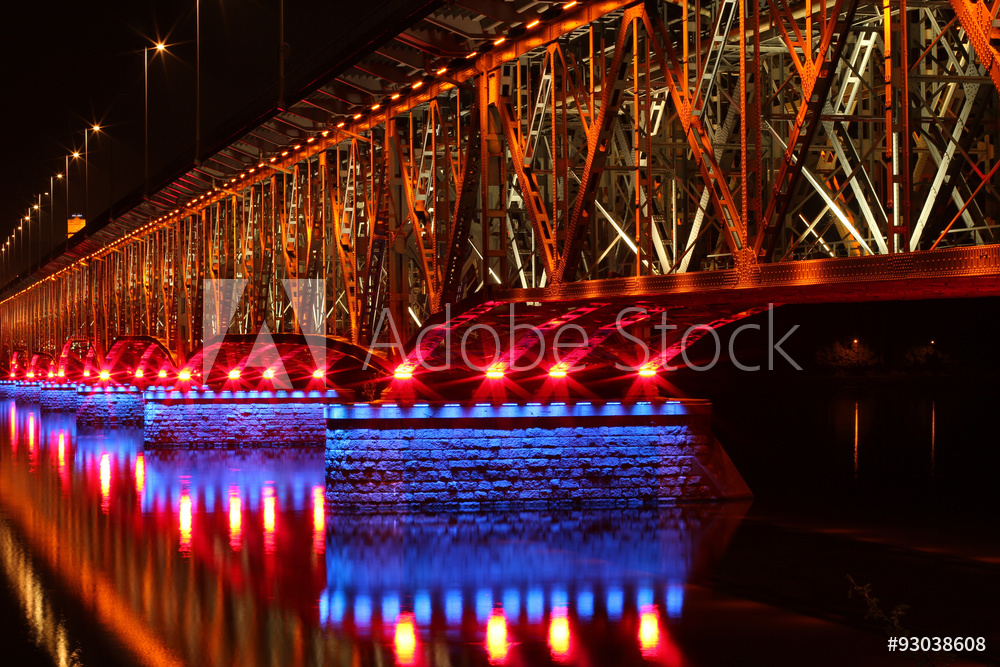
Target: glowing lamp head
318,373
647,371
105,375
31,374
51,374
162,373
269,374
557,372
61,373
138,372
234,374
86,373
495,373
184,375
403,373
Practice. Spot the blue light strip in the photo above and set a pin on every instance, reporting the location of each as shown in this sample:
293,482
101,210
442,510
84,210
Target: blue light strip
161,394
391,411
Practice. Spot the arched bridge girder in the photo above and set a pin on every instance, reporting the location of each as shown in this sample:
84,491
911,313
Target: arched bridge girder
133,357
285,362
676,145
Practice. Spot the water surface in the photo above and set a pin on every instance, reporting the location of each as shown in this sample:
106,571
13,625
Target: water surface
116,555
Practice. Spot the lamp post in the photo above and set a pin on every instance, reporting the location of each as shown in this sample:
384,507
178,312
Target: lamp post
159,46
197,82
52,213
60,177
23,261
86,165
38,207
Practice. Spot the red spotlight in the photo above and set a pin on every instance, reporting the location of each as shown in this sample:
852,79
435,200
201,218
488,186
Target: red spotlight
557,371
162,373
318,373
105,375
234,374
403,373
184,375
495,372
138,372
268,374
647,371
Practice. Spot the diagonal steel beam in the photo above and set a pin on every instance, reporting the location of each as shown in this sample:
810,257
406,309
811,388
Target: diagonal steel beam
806,124
598,137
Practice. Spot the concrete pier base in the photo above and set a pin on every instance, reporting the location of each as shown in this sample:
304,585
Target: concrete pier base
26,392
102,407
455,457
205,418
55,397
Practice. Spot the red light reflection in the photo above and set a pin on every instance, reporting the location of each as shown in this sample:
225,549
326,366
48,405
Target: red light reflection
559,634
185,523
235,519
406,639
497,645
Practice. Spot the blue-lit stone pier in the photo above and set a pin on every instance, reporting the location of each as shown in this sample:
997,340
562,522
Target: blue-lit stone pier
466,457
203,418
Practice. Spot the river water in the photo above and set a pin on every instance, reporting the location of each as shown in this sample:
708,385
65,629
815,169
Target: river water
115,555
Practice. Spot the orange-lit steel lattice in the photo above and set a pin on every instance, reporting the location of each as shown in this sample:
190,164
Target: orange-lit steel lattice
545,150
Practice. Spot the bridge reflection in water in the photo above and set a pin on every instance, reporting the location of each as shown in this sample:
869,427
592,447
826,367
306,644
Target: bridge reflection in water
223,557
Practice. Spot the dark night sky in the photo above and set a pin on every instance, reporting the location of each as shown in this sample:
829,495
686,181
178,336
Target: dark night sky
70,64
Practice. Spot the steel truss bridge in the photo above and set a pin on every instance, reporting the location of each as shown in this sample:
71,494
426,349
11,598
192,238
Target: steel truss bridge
713,155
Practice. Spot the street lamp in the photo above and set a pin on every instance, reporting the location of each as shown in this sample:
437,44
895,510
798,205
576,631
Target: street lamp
60,177
159,47
38,234
20,228
86,165
197,83
76,156
51,194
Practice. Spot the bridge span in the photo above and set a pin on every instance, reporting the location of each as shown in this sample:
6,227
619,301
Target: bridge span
742,150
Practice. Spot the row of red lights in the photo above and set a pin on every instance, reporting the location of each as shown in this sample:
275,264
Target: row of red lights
183,376
405,372
498,644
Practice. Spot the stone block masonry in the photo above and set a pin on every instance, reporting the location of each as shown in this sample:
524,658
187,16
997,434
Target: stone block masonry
55,397
455,457
101,407
26,392
208,419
